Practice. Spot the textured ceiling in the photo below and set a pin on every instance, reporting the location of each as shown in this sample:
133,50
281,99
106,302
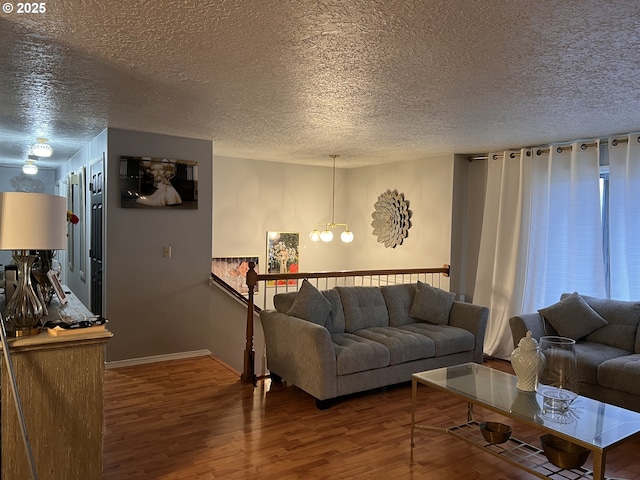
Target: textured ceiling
297,80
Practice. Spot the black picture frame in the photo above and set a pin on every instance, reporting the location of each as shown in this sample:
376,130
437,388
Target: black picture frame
147,182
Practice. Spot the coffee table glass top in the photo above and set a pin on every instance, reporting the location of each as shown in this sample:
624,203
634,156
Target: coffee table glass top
589,421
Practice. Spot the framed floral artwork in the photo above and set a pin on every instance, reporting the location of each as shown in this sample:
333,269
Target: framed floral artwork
283,254
233,271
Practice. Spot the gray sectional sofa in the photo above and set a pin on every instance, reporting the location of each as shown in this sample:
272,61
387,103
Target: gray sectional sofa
351,339
607,343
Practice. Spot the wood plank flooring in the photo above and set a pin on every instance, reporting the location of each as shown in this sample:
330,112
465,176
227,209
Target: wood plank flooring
193,419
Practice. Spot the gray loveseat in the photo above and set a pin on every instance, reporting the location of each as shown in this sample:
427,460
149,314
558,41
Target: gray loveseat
351,339
607,343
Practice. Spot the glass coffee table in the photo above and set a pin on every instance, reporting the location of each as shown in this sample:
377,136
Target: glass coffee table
594,425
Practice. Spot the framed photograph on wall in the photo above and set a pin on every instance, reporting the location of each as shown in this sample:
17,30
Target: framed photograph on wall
233,271
283,254
147,182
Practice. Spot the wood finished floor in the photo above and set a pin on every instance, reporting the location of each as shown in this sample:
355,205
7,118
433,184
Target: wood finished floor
194,419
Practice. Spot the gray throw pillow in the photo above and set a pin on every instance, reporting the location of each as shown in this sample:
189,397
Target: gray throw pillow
431,304
310,304
572,317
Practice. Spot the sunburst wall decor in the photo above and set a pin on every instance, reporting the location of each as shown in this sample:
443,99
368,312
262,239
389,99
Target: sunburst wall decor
391,218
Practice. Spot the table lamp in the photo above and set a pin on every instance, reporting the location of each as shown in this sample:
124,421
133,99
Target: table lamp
29,221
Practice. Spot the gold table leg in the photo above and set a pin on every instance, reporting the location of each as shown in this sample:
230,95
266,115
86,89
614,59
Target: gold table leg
414,391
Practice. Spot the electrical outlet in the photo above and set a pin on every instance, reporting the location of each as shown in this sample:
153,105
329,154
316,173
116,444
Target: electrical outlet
166,252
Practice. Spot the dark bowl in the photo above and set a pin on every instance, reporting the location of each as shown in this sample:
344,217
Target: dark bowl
494,432
563,453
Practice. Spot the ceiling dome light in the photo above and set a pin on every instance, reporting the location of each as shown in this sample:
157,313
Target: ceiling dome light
42,148
30,168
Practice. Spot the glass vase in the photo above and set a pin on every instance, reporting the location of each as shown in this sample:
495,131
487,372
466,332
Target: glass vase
558,378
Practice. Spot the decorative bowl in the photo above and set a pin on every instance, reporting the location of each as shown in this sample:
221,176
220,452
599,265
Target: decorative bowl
494,432
563,453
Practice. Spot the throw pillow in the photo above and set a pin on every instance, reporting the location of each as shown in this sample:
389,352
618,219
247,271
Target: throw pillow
573,317
310,304
431,304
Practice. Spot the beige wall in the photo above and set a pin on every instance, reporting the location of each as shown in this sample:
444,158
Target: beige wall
252,197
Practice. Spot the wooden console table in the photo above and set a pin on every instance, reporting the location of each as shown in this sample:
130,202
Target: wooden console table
60,385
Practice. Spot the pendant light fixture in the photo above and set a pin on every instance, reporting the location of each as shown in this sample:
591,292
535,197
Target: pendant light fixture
29,167
327,235
42,148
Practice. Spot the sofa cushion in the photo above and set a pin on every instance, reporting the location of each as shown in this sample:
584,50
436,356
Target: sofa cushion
310,305
447,339
403,346
282,301
431,304
623,318
621,373
399,299
335,323
364,307
572,317
590,355
357,354
336,315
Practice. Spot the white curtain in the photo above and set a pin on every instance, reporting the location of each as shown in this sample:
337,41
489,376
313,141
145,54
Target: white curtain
541,236
565,251
499,276
624,217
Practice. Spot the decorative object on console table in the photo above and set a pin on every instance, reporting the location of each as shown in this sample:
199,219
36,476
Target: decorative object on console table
29,221
527,361
45,263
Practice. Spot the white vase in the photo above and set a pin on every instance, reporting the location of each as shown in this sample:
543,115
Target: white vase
527,361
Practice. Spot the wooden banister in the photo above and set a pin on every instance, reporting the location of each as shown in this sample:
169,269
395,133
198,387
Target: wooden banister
253,277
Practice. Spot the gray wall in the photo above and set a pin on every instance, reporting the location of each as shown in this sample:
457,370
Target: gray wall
469,183
158,305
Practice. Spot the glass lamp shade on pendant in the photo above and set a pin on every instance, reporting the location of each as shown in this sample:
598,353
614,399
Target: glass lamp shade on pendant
30,168
314,235
42,148
29,221
326,235
346,236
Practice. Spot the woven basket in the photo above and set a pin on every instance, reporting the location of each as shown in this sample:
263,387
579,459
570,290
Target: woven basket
563,453
494,432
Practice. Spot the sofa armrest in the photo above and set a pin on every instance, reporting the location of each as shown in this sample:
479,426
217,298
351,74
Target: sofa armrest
474,319
300,352
521,324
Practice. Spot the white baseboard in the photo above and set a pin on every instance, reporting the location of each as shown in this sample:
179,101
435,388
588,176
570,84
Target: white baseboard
157,358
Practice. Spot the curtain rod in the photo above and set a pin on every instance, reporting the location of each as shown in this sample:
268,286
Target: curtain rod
540,151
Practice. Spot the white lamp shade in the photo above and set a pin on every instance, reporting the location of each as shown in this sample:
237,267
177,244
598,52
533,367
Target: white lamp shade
32,221
314,236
